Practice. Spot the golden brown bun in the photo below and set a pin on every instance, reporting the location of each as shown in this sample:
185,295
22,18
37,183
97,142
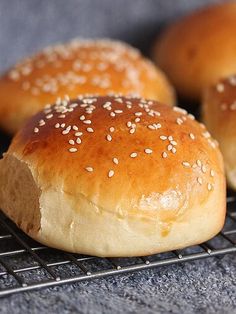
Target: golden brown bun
199,49
144,178
78,67
219,114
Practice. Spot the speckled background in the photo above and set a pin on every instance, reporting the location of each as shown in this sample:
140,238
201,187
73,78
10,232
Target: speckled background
206,286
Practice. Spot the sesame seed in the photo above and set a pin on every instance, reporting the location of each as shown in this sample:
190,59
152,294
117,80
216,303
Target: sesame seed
212,173
199,180
199,163
62,116
180,110
220,87
109,138
164,155
111,129
115,160
87,121
209,186
133,155
36,130
192,136
74,105
148,150
206,134
129,124
186,164
151,127
170,138
111,173
73,149
169,147
82,117
203,169
118,111
107,104
41,122
174,143
179,121
49,116
71,142
63,125
191,117
89,169
158,126
131,131
78,133
57,125
163,137
90,130
137,120
174,150
138,114
112,114
66,131
78,140
75,128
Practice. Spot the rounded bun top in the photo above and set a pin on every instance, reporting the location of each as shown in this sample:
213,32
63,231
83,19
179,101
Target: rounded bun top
78,67
126,155
219,111
199,49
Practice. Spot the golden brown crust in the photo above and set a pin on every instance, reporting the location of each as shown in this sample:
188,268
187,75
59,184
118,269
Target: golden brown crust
199,49
143,168
78,67
219,114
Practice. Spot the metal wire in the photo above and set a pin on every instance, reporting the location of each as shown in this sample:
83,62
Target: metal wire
26,265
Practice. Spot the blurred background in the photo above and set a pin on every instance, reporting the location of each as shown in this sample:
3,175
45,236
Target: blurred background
29,25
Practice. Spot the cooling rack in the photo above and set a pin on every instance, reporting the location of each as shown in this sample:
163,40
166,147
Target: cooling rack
27,265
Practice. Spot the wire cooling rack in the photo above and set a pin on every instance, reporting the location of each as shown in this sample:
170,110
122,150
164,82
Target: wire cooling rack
27,265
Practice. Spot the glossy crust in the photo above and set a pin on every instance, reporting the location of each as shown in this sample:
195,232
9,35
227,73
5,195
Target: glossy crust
219,114
78,67
199,49
142,178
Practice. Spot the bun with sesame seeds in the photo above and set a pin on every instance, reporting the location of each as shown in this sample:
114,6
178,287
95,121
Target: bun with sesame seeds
78,67
114,176
219,114
199,49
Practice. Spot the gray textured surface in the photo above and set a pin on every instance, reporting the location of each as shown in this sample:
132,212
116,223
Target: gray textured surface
207,286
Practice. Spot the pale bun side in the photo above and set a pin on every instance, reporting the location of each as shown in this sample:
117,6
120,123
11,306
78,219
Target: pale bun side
199,49
219,114
143,178
78,67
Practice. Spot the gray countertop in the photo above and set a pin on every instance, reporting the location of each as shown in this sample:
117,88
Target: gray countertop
205,286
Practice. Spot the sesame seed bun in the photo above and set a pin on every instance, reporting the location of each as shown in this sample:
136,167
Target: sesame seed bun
199,49
78,67
219,114
114,177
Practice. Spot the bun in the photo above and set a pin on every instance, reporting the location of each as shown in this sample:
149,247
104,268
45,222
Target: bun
219,114
78,67
114,176
199,49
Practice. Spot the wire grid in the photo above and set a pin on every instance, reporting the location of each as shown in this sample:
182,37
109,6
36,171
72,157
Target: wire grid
27,265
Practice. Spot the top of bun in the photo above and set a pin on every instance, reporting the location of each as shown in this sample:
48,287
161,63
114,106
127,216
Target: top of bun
92,144
199,49
78,67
